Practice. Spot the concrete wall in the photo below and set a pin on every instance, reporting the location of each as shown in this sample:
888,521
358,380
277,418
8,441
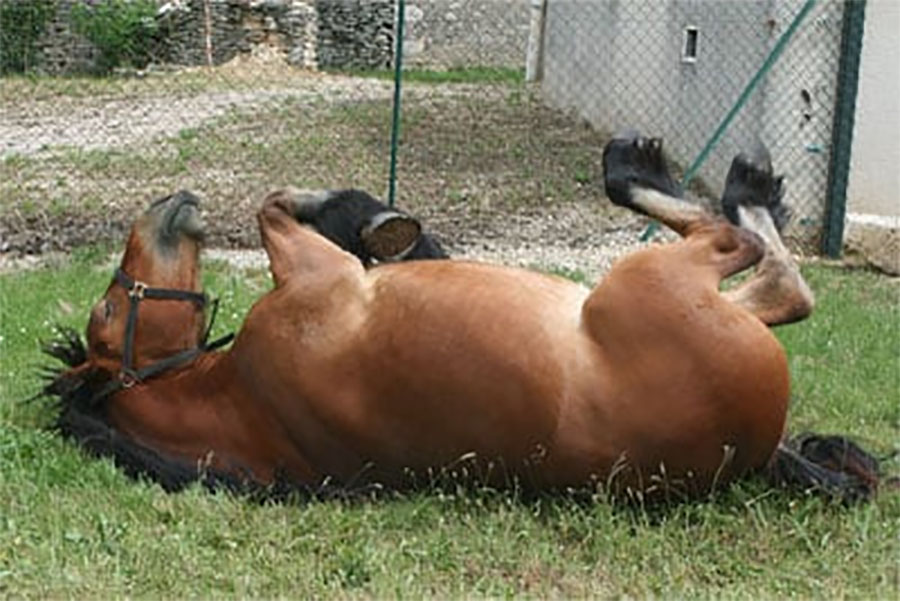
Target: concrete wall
619,64
874,186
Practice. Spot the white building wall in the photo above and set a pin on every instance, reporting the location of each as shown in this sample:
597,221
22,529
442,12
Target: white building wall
874,186
617,63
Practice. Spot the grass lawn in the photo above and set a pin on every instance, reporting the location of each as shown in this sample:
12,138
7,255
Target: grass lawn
75,527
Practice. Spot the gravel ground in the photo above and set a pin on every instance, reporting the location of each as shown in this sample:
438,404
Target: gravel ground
588,257
541,153
98,122
563,242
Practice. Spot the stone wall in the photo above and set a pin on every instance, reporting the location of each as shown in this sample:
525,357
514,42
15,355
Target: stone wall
325,34
456,33
237,27
61,49
355,34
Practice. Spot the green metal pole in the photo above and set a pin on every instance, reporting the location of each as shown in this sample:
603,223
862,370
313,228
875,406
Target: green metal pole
842,129
398,79
739,104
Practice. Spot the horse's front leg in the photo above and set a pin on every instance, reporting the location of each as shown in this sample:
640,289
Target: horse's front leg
295,249
777,292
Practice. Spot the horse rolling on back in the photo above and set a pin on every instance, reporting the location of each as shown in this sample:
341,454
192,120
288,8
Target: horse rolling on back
654,382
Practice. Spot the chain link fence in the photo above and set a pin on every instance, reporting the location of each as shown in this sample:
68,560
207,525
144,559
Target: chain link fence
506,105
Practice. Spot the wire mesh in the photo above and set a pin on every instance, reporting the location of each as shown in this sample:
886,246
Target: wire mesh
233,98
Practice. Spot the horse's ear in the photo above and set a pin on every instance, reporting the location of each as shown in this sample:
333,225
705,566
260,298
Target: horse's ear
389,235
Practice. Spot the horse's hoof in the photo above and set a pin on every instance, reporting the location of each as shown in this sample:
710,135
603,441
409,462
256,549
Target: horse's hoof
389,235
631,160
750,182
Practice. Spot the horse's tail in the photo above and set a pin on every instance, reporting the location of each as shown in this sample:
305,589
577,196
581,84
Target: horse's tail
830,464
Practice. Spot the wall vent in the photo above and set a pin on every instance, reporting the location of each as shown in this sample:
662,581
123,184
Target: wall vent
691,46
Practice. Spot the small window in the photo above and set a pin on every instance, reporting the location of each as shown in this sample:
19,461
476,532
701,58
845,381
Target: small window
691,44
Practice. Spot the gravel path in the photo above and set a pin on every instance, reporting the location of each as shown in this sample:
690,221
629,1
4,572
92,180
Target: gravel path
591,262
561,242
97,123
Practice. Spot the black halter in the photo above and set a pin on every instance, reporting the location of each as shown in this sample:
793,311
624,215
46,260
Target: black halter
128,376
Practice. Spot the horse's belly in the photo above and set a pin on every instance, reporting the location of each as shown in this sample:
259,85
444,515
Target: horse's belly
433,375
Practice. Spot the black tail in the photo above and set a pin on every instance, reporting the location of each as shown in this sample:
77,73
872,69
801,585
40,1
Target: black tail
829,464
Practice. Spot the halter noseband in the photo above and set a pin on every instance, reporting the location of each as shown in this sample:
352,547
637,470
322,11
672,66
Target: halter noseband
137,291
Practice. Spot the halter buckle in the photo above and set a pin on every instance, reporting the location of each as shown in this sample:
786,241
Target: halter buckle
127,379
137,290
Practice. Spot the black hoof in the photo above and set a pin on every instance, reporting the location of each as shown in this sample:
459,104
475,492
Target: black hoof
390,236
630,161
750,182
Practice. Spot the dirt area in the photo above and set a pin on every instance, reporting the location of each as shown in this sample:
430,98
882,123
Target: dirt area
491,171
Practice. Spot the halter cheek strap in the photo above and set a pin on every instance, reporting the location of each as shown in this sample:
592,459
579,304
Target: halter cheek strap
138,291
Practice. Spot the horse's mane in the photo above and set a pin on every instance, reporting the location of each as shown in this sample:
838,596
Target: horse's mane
82,417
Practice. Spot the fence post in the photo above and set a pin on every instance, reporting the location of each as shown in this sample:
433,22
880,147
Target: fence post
535,49
395,119
852,27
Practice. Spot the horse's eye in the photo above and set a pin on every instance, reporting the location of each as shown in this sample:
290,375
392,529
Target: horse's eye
107,310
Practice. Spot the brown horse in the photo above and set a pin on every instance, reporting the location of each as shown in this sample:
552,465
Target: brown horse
654,380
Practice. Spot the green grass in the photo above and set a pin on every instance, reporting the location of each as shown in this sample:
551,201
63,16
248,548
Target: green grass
491,75
75,527
249,76
186,81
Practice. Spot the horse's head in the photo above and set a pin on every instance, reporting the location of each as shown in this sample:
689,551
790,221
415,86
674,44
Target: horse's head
154,308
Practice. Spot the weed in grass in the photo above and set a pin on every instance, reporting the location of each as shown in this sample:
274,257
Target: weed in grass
582,174
28,207
15,161
576,275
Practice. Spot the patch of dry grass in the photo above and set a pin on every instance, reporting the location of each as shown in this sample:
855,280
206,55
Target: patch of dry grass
469,155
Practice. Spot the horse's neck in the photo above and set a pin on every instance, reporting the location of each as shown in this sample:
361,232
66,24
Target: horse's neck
205,413
183,413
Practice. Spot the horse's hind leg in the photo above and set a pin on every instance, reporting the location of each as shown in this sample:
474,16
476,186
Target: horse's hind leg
637,178
776,292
